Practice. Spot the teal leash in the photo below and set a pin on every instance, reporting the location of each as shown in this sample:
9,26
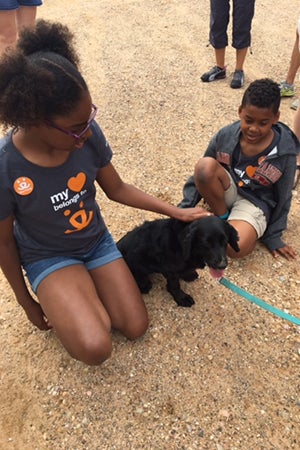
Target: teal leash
251,298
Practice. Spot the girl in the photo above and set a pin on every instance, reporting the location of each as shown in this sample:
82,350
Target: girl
50,223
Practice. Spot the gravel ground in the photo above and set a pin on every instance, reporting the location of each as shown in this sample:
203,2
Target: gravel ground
224,374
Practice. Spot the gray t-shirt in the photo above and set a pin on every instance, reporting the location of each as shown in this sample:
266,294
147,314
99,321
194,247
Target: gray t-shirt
54,208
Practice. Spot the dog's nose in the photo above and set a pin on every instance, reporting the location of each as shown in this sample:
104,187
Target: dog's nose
222,264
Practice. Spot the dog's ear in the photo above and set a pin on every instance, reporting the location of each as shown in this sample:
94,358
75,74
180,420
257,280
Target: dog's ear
186,241
233,237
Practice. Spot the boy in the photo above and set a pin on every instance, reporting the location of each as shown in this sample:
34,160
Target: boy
247,172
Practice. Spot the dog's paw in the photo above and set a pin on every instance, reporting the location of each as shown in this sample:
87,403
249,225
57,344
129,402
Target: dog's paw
184,300
189,276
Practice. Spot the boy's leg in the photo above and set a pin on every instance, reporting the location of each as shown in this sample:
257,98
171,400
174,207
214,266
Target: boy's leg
70,300
249,221
212,180
247,238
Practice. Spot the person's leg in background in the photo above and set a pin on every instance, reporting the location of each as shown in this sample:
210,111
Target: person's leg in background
26,16
243,12
287,88
15,15
219,19
8,29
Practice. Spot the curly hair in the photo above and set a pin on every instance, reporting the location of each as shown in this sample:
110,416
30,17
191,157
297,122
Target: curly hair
264,93
40,78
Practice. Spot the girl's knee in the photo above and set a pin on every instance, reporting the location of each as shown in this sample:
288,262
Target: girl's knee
92,350
136,329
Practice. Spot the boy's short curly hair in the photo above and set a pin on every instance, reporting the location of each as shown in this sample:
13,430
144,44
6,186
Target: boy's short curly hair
39,79
264,93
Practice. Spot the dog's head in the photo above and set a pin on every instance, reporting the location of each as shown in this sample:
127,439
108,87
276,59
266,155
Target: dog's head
205,243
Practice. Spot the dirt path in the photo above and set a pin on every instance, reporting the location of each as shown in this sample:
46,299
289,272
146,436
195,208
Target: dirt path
223,375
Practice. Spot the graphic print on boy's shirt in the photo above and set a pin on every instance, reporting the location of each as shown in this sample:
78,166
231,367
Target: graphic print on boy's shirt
256,168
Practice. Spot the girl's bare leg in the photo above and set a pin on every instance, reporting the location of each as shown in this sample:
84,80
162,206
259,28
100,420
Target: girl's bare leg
70,299
121,298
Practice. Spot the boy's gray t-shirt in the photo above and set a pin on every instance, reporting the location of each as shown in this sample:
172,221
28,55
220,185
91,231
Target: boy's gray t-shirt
54,208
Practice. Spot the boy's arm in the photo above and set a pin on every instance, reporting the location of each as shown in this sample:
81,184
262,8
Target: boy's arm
11,267
272,237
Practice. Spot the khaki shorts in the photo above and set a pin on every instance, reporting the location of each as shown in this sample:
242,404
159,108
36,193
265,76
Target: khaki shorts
242,209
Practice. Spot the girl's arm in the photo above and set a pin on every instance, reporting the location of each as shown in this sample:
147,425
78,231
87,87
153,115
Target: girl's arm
11,267
115,189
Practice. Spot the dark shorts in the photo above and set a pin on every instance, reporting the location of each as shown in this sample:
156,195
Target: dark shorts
242,15
104,252
8,5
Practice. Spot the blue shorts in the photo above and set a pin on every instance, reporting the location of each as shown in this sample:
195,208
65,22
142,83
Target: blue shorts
104,252
8,5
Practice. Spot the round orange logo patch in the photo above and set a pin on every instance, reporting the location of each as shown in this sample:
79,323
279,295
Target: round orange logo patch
23,186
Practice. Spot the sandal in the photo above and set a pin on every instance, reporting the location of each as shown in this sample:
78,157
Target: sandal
297,176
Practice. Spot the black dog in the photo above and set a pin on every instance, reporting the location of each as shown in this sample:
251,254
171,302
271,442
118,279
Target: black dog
175,249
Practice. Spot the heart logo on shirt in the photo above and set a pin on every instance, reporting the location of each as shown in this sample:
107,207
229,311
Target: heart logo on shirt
77,183
250,171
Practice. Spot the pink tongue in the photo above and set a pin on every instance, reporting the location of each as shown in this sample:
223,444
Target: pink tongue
216,273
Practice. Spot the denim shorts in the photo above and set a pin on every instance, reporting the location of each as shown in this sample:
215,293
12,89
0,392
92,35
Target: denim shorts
104,252
8,5
242,209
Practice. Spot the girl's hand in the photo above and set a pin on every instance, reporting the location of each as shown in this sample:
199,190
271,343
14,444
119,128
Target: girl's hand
36,315
190,214
286,251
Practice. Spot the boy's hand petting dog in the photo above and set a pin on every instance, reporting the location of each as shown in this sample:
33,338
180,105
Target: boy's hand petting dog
190,214
286,251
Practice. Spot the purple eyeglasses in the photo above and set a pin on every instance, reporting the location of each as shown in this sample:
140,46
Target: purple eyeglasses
82,133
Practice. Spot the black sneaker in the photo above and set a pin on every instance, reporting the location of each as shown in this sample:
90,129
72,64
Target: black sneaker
237,79
216,73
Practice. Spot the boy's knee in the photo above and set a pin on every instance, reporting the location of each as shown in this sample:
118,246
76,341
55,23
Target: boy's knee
205,169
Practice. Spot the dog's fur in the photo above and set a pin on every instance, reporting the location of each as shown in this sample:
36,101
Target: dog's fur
176,249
